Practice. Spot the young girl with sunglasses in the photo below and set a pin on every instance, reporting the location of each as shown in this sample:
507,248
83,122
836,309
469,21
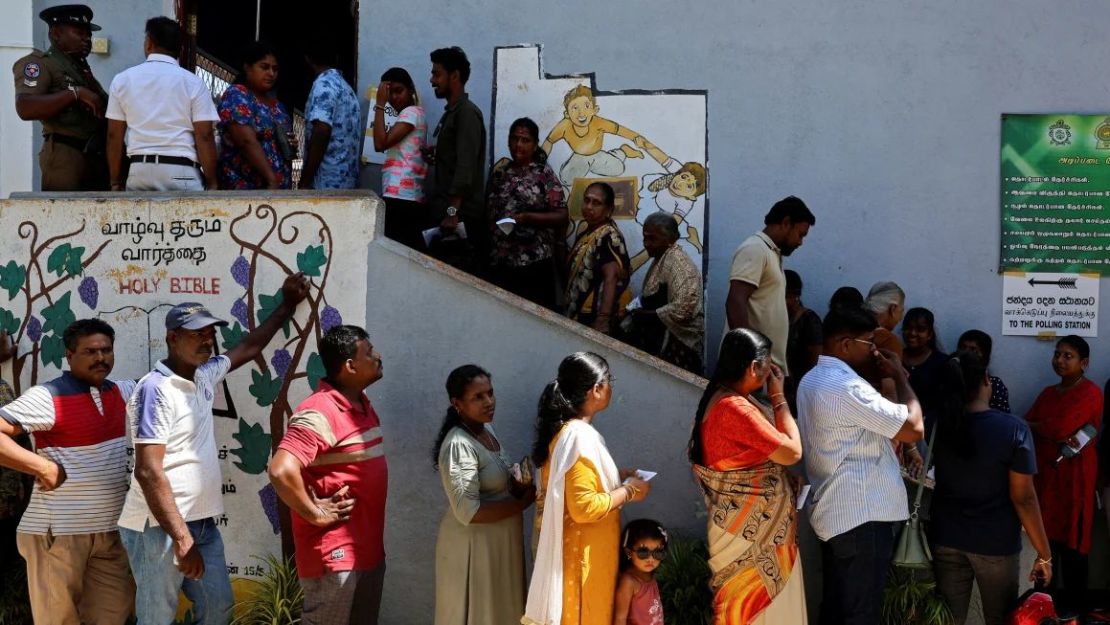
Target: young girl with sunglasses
643,547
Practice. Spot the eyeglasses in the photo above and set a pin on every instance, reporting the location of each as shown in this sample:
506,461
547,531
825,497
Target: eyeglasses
870,343
644,553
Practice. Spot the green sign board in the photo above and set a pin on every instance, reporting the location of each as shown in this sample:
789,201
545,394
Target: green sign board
1056,193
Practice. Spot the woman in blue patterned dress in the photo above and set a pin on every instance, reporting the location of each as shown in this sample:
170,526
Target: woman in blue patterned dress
255,129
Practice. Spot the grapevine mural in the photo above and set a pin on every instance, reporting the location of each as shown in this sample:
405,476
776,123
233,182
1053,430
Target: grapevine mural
129,263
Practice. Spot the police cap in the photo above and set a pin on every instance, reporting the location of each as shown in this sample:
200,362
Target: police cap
76,14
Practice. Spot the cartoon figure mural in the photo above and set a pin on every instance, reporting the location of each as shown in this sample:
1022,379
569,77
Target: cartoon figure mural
651,146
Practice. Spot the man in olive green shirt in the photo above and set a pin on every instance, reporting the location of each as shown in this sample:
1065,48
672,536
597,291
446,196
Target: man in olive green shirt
460,155
58,88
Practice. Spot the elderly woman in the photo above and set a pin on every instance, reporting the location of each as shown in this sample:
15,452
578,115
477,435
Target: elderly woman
525,190
582,493
670,323
598,272
255,129
886,300
479,550
740,449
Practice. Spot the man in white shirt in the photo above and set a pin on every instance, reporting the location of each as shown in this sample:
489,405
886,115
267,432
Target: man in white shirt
168,522
167,115
858,495
757,283
76,567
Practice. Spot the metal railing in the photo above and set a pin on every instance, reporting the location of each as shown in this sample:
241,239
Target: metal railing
218,77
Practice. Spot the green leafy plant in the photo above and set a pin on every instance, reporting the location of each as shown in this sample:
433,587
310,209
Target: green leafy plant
15,607
910,598
684,583
277,599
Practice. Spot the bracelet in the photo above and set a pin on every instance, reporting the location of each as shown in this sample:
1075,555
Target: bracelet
379,107
776,406
632,491
73,90
778,395
1043,561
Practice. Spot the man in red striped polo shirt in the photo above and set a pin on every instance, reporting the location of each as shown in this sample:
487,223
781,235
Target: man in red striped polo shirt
76,567
330,470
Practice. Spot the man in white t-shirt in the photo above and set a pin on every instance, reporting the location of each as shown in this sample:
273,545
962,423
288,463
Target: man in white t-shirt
167,115
757,283
168,521
76,567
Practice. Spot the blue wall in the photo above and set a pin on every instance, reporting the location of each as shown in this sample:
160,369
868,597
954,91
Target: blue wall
883,117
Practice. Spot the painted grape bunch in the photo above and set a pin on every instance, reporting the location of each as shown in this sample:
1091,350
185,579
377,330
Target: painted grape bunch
239,311
89,292
330,318
34,329
269,500
241,272
281,361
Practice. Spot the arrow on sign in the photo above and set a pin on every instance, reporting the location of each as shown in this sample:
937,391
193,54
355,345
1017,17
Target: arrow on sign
1063,283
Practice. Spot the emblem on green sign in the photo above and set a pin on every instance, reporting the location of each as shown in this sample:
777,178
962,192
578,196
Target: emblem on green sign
1059,133
1102,134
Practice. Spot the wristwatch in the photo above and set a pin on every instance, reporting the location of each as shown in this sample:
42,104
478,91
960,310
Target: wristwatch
452,211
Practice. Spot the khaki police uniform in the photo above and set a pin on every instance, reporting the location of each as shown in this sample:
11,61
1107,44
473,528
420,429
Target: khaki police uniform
73,151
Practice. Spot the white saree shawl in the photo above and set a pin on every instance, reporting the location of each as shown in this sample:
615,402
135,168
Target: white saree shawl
578,439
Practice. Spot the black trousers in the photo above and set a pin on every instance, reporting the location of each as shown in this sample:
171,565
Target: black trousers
856,565
405,221
535,282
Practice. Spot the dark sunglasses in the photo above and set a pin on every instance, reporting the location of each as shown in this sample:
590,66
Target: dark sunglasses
644,553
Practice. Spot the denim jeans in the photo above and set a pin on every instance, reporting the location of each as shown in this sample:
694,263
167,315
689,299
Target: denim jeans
997,576
856,565
158,580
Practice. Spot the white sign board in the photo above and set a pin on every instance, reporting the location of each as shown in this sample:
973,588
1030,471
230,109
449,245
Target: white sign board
369,154
1049,304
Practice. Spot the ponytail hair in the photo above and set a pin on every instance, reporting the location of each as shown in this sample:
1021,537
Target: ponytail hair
562,399
961,378
739,349
457,383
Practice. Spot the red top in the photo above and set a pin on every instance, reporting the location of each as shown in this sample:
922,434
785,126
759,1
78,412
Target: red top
339,445
737,434
1066,491
646,608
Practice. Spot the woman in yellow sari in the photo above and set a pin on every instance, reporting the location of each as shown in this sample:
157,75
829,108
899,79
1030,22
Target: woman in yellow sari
597,287
740,449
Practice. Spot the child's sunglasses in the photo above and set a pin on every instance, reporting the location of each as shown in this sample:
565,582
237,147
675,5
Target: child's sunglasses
644,553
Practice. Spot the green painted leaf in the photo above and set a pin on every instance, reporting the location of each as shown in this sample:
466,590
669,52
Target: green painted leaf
52,351
267,304
8,322
254,452
12,277
311,260
315,369
264,388
232,335
65,259
58,316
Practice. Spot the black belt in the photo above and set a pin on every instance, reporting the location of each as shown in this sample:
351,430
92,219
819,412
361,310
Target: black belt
76,143
165,160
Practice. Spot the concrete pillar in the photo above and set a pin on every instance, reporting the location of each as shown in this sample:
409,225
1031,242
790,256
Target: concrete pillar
16,136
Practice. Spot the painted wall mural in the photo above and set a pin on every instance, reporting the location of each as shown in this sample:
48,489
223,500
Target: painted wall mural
129,262
651,146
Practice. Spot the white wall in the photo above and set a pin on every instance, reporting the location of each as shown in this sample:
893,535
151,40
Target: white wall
883,117
16,168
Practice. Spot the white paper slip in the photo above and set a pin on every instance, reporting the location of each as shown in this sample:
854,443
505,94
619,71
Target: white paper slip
802,494
646,475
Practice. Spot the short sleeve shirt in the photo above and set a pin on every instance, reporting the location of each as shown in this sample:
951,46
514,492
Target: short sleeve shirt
333,102
758,262
82,428
166,409
971,508
339,444
238,105
162,125
846,428
404,169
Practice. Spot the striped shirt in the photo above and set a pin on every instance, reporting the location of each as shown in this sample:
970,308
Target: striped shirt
846,428
169,410
339,444
80,427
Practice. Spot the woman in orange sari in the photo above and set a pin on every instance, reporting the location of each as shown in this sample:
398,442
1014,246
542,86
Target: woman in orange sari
740,449
1066,488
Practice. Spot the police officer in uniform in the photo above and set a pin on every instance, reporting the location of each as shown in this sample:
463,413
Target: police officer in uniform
58,88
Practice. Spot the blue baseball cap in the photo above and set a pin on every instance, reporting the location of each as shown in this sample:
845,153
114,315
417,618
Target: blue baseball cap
191,316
